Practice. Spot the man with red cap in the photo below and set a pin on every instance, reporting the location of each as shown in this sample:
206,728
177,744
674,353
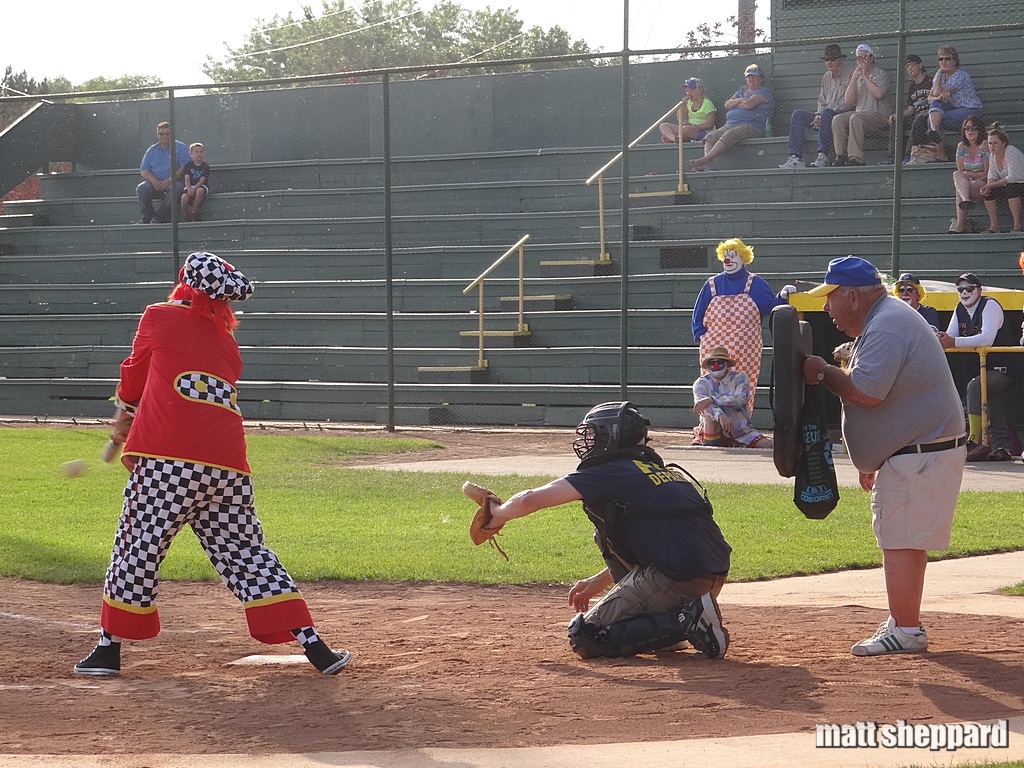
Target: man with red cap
903,427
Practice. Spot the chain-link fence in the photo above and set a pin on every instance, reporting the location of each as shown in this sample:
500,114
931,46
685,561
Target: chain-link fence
373,209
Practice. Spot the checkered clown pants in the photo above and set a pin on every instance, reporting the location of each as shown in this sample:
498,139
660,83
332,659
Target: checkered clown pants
160,497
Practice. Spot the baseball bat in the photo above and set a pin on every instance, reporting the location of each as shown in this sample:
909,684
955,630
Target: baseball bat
110,451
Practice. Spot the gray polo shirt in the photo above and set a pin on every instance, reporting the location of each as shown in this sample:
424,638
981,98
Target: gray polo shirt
897,359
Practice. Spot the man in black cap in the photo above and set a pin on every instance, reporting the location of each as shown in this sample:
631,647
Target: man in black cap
909,289
903,427
918,86
978,322
830,103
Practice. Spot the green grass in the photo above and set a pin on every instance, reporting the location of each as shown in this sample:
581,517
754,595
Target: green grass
333,522
1016,589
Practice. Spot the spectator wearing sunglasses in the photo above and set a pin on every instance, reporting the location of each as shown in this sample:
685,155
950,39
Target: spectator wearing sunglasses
909,289
720,399
971,172
953,100
978,322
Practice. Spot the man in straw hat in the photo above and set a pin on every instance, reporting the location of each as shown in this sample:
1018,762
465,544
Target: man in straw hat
903,427
184,445
720,399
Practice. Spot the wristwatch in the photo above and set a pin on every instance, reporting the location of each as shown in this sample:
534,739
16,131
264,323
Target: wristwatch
821,375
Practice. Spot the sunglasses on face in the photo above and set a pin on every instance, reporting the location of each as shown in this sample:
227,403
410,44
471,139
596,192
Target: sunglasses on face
907,289
966,288
945,58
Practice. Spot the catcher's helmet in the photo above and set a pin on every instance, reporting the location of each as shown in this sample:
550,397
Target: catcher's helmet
608,427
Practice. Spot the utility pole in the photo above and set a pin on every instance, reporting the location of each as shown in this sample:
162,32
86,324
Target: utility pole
745,25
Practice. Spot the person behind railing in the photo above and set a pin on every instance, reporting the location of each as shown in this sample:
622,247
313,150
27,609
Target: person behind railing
918,88
747,116
160,180
699,114
978,322
1005,178
971,172
830,103
909,289
867,94
952,100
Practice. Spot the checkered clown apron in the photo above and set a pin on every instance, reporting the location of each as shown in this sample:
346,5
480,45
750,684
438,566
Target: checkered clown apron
162,496
734,322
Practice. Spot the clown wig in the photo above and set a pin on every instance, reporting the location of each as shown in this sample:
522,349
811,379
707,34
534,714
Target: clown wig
744,251
202,305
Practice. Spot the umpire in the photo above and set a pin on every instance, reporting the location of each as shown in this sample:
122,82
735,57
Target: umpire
903,426
664,552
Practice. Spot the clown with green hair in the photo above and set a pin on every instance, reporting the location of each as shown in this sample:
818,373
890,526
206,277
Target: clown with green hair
730,309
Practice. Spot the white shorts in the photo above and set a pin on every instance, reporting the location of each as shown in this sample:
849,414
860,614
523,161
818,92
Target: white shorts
914,497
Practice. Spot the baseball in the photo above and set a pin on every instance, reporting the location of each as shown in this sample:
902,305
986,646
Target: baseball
74,468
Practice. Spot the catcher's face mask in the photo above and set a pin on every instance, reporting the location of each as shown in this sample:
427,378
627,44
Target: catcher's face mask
609,427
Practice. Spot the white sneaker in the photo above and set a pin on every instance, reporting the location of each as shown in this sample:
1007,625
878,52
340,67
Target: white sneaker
821,161
793,162
890,639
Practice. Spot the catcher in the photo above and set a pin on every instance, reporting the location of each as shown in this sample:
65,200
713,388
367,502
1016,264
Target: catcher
665,555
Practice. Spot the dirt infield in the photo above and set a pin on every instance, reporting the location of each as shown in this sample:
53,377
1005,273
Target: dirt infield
468,666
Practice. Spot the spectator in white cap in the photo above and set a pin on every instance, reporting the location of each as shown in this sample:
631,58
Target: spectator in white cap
867,94
747,115
698,116
903,427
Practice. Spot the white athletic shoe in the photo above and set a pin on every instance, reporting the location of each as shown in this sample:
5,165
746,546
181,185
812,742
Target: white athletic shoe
793,162
821,161
890,639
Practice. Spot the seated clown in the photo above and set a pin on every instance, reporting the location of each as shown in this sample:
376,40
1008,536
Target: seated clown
720,399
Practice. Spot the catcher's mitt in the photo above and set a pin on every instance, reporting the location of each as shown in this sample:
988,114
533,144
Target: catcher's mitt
482,528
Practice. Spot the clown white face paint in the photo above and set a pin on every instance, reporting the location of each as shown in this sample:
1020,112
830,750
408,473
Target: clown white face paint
971,297
731,261
718,368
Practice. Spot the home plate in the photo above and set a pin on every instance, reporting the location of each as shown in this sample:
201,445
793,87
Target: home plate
263,660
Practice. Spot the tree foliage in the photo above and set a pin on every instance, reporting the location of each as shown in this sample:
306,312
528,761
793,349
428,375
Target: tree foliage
20,84
385,33
716,33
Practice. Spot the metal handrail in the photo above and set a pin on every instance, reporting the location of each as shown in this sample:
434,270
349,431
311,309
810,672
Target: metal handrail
982,353
522,327
598,175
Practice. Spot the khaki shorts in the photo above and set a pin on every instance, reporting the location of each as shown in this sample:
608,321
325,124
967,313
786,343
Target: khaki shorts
914,497
733,135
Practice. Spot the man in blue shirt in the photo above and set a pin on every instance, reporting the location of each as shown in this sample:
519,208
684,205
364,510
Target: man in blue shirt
158,176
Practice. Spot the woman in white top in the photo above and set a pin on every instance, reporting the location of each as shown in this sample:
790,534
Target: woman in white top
1005,178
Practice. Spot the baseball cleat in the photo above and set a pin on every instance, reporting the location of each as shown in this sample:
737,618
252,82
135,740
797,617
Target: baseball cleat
707,633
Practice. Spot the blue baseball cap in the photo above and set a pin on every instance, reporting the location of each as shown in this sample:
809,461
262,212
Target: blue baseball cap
847,271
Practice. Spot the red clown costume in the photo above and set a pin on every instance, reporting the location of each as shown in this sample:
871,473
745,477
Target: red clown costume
185,450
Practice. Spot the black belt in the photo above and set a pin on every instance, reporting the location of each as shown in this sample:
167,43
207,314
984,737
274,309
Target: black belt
945,445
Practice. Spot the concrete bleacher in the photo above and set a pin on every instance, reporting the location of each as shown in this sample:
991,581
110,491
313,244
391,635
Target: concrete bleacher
308,226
